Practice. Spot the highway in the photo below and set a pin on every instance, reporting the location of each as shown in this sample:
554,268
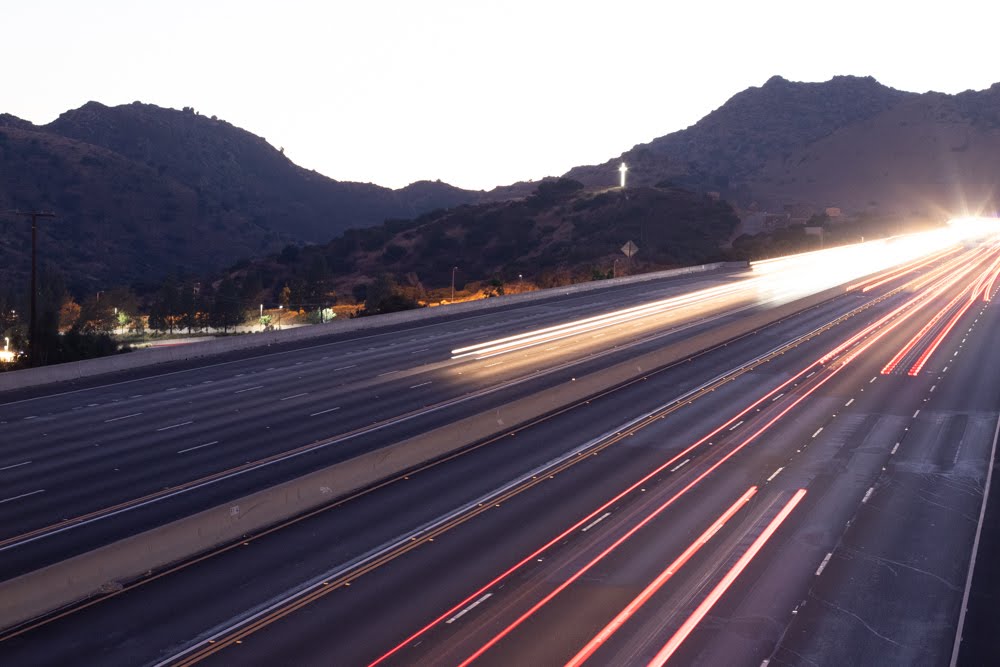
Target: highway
821,497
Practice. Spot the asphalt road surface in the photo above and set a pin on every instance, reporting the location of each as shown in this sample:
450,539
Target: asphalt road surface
791,511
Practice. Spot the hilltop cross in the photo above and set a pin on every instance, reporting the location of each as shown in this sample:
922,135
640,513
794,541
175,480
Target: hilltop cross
622,169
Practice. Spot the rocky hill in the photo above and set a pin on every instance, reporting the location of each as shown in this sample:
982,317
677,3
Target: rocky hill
141,191
849,142
559,232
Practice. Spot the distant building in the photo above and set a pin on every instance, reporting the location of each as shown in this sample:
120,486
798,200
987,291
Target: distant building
833,212
798,214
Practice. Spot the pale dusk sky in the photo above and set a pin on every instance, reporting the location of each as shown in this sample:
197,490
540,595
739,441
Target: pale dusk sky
476,93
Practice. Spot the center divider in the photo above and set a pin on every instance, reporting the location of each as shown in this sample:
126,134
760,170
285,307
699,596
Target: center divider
108,568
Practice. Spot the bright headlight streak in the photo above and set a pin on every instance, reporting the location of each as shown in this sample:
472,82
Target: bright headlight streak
549,334
775,280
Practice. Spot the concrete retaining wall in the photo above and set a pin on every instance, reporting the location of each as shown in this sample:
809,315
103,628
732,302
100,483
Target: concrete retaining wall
63,583
80,369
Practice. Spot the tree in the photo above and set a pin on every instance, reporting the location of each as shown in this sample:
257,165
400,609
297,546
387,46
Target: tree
227,307
69,313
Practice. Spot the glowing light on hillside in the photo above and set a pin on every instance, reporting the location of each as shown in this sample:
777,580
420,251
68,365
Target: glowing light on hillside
622,169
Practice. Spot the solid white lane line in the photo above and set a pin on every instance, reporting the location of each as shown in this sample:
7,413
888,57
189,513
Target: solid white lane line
680,465
868,494
818,431
469,608
323,412
260,386
23,495
422,384
344,368
288,398
16,465
134,414
167,428
595,522
775,473
191,449
822,566
848,403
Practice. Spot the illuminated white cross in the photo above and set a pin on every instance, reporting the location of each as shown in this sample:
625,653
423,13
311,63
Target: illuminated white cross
623,169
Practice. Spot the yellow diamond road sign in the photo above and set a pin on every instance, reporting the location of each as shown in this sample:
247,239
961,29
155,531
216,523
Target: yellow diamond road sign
630,249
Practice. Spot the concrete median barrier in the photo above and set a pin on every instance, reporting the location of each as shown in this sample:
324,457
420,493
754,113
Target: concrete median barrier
109,567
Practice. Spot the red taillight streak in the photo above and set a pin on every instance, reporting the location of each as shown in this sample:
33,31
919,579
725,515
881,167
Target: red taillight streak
918,366
933,291
914,304
532,556
912,343
689,625
889,367
658,583
938,289
579,573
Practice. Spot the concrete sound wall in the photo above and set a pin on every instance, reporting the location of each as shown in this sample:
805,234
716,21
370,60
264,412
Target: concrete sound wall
149,357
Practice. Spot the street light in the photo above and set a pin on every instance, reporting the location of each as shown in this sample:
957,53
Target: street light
614,268
281,307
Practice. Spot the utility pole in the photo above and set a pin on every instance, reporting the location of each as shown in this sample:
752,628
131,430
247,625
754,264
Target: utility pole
33,325
453,270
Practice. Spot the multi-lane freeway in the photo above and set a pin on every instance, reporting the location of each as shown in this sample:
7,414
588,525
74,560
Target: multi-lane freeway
808,494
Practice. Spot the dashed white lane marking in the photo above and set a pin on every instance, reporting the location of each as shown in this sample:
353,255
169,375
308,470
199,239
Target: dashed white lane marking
680,465
31,417
873,379
134,414
868,494
23,495
933,387
422,384
916,413
288,398
775,473
848,403
323,412
822,566
134,396
260,386
894,448
495,363
810,375
16,465
595,522
191,449
736,425
776,397
469,608
167,428
945,370
423,349
344,368
818,431
387,373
